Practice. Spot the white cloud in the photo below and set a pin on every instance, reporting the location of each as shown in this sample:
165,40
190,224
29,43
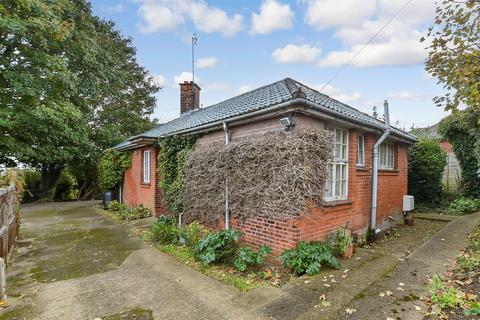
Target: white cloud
166,15
296,54
243,89
184,76
159,80
406,96
338,94
394,52
273,16
207,62
159,18
323,14
356,22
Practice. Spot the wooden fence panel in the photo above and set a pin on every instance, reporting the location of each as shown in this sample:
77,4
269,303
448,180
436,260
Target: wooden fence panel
8,224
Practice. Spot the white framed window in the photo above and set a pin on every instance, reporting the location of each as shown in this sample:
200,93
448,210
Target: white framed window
336,187
146,166
387,155
361,150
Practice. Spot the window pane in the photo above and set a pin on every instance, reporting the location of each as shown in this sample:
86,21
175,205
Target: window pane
361,150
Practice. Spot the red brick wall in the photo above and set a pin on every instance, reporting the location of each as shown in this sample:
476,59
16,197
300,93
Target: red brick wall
318,222
355,211
135,192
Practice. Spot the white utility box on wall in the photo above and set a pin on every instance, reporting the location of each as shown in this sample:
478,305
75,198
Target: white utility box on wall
408,203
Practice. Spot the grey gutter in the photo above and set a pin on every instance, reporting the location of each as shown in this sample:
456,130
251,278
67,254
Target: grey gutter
294,102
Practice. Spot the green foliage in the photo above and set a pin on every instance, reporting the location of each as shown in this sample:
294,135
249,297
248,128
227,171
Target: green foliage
463,206
467,262
425,169
66,188
473,309
308,257
32,185
454,55
172,155
112,167
442,295
70,87
165,231
461,129
193,233
217,247
114,205
247,257
126,213
135,213
343,239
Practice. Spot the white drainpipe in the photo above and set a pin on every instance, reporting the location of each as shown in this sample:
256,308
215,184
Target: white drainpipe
227,213
373,223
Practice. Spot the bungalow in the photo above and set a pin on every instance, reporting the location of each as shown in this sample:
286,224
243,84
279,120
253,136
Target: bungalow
288,105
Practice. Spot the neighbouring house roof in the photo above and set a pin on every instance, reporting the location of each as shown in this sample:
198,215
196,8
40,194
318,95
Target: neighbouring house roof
264,98
427,132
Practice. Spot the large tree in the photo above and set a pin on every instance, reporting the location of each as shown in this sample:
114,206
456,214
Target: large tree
70,86
454,52
454,59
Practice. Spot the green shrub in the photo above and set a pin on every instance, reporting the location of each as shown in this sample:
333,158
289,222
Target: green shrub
114,205
129,214
112,167
138,212
247,257
192,234
463,206
343,239
308,257
458,129
165,231
66,187
33,179
217,247
425,170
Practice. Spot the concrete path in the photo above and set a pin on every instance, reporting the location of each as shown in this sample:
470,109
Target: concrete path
73,263
380,283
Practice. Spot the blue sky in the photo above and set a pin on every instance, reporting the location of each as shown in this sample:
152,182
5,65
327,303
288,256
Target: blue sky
246,44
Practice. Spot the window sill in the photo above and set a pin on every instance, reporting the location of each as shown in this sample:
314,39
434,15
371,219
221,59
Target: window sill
362,168
145,184
392,170
336,203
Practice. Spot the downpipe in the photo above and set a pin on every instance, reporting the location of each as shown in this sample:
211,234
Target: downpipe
227,209
373,221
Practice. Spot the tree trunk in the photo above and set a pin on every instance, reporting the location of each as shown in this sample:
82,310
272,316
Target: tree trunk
50,173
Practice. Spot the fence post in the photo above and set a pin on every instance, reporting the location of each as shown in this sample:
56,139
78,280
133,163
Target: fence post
3,282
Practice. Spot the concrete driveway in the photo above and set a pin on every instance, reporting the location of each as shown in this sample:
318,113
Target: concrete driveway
74,263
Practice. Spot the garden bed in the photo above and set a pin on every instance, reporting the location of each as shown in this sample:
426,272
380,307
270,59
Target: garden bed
221,256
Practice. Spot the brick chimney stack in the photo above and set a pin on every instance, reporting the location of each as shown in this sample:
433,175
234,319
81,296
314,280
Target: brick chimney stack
189,96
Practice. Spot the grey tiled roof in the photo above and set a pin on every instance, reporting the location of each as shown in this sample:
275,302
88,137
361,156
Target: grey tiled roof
261,98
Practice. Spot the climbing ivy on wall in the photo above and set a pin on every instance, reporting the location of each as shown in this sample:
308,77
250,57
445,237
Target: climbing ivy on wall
112,167
461,130
172,155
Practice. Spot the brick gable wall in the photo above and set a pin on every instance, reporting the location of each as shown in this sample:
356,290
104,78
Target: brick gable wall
135,192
